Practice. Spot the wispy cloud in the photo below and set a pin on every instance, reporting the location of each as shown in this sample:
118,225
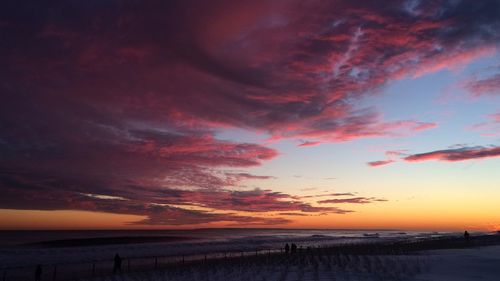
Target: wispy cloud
309,143
380,163
455,154
458,154
352,200
490,127
329,195
485,86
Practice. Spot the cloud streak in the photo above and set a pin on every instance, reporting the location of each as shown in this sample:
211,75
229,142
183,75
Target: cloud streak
486,86
447,155
352,200
380,163
458,154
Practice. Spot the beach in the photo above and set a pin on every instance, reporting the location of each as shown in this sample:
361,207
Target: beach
481,263
361,256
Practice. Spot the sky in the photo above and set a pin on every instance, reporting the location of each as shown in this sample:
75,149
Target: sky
282,114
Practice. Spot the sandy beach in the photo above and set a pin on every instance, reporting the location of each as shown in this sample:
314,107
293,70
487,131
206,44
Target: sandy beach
481,263
442,258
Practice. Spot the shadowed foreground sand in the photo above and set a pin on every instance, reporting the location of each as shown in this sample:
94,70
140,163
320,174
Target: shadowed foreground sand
436,265
456,260
441,258
463,264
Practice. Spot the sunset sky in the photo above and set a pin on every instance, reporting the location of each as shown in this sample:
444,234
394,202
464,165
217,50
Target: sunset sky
293,114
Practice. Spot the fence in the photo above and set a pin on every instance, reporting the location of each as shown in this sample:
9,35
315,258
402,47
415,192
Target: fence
90,269
82,270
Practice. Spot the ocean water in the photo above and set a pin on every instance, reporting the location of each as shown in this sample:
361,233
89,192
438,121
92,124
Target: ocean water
11,238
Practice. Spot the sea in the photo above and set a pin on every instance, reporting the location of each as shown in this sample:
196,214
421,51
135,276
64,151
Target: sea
9,238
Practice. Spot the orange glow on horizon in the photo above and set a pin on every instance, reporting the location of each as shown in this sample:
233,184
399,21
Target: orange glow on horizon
369,218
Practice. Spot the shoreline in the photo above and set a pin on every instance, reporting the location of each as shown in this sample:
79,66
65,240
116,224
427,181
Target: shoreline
103,241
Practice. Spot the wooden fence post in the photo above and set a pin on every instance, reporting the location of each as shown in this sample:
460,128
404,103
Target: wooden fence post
156,262
93,269
4,275
128,264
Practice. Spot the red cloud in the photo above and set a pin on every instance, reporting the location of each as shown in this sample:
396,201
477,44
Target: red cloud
202,150
274,73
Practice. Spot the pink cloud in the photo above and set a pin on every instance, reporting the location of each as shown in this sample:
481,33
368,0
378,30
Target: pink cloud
392,156
453,59
395,153
247,176
496,117
337,194
380,163
455,154
276,83
294,214
486,86
309,143
353,200
458,154
489,128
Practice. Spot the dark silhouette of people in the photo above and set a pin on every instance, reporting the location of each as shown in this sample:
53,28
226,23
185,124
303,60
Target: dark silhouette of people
287,248
466,236
294,248
38,273
118,264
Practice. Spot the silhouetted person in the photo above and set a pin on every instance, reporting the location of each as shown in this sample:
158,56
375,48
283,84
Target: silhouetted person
294,248
287,248
38,273
118,264
466,236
